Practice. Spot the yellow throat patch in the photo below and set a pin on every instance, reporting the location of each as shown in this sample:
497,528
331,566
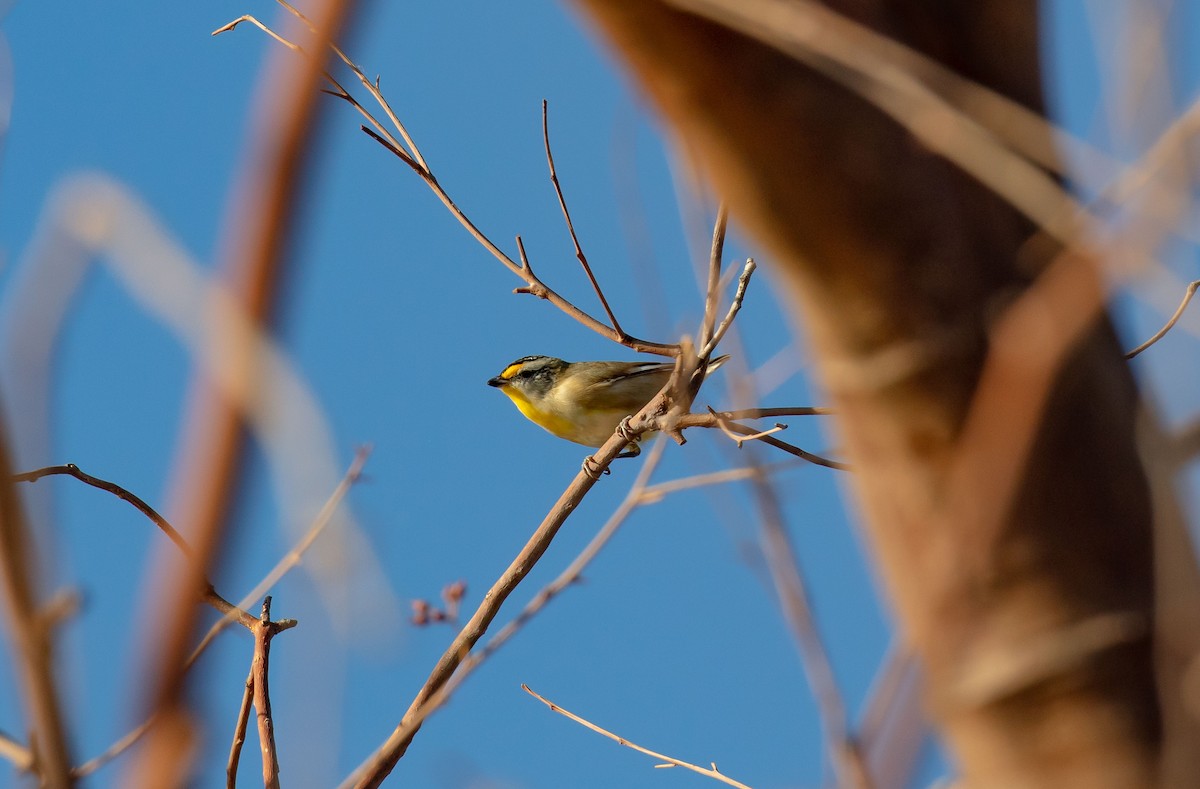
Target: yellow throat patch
544,419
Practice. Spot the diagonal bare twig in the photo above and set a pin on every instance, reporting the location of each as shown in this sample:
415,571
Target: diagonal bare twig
667,761
1158,335
239,732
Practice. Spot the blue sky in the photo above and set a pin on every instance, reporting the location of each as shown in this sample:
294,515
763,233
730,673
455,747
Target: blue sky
395,318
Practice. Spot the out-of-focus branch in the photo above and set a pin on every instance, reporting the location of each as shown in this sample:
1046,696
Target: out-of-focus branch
252,255
20,756
666,761
30,635
968,430
845,754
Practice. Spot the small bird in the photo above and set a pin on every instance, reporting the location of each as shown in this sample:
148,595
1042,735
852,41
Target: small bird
584,401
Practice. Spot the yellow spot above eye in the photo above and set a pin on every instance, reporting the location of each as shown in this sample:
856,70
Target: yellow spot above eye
510,371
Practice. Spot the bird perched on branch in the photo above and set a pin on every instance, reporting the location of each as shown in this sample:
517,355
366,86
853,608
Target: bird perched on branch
584,401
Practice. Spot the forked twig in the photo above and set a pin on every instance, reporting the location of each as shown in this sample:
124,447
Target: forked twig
723,425
1158,335
666,761
562,203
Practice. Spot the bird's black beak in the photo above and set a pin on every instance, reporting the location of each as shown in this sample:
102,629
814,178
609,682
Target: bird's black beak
497,381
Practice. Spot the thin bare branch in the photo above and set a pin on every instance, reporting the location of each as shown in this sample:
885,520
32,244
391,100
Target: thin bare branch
293,557
119,747
209,594
735,306
655,493
70,469
239,732
666,761
562,202
372,87
1158,335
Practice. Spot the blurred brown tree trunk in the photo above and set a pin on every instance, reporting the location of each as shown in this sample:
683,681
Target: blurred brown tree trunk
1038,622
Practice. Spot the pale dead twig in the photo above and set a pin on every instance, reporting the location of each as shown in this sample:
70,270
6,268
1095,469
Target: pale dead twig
293,557
1158,335
666,761
723,426
734,307
239,732
410,155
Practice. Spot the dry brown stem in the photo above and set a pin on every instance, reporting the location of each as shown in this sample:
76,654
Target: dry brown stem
239,732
